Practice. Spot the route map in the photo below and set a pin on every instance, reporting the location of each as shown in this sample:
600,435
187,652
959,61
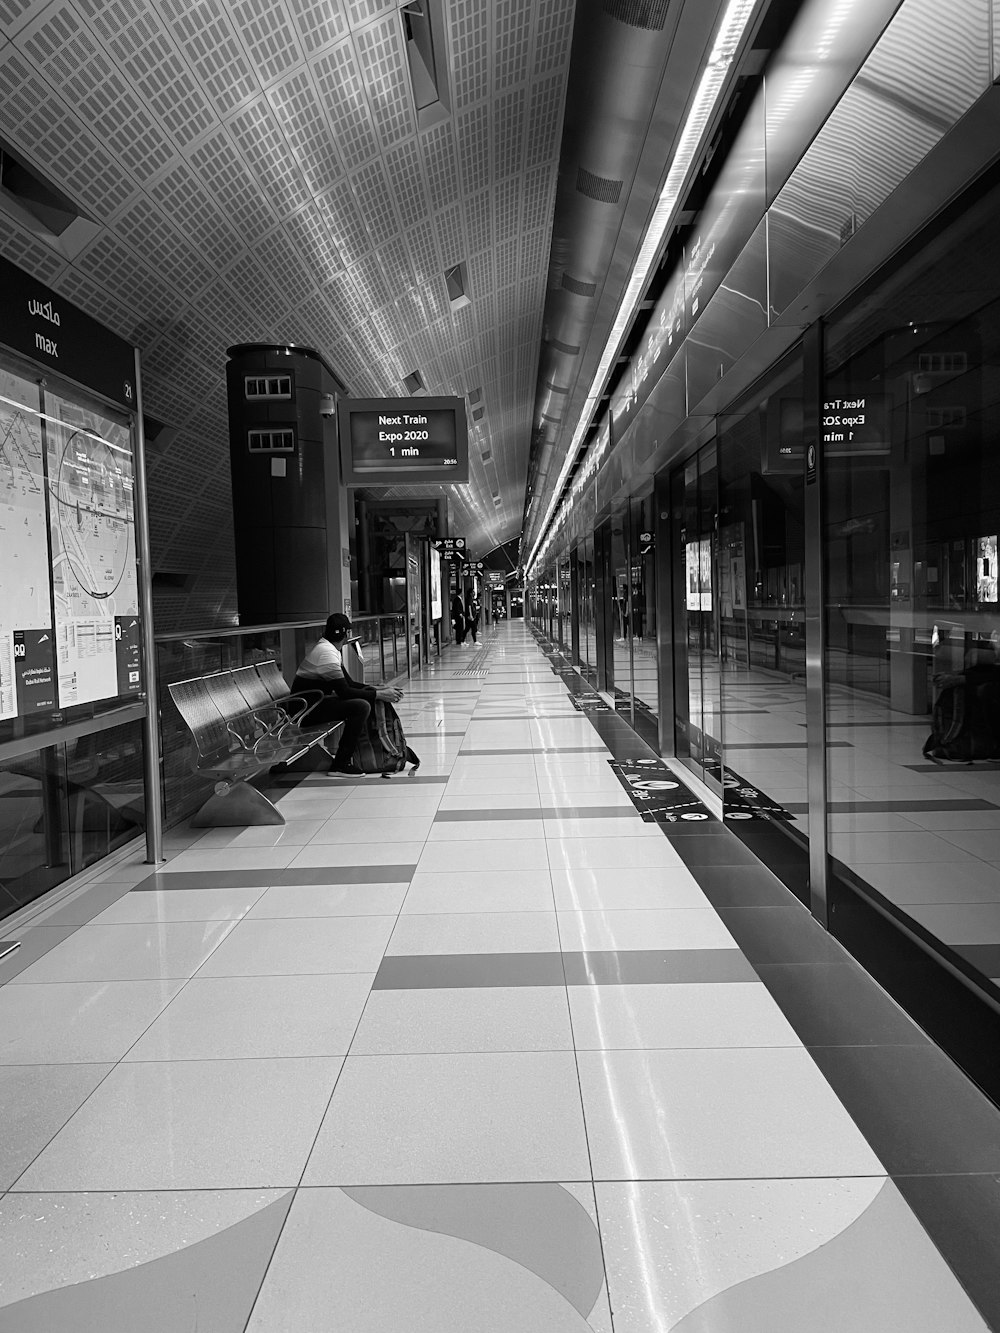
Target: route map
26,677
92,532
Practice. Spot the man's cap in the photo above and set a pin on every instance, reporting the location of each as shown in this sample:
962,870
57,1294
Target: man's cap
338,621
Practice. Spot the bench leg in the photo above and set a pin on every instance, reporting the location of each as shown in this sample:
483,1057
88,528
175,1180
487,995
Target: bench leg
237,804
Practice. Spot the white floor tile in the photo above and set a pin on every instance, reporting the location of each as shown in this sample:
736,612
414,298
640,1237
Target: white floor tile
493,1018
295,946
475,932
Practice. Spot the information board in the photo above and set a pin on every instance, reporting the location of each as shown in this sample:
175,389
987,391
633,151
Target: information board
92,532
386,441
27,678
69,601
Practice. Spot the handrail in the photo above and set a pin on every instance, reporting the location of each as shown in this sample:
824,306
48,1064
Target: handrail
234,631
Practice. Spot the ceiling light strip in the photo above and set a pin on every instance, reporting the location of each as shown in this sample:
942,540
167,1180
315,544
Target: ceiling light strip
728,38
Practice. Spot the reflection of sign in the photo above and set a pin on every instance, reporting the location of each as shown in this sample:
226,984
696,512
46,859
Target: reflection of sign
856,425
698,560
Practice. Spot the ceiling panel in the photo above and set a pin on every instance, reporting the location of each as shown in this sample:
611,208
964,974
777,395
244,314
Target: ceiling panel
256,170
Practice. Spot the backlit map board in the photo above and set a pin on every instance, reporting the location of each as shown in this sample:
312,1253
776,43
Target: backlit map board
69,600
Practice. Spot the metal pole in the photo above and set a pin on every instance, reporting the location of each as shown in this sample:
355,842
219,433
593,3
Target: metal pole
152,775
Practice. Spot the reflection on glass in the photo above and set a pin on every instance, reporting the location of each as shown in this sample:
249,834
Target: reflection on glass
761,601
912,614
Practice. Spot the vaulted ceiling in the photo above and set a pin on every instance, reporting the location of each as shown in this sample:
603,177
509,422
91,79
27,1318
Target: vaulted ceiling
280,171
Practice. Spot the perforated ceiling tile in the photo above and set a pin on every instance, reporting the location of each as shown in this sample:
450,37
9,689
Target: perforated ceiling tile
285,267
479,221
137,40
555,23
144,227
545,121
507,210
406,180
309,233
451,235
508,131
363,11
205,35
370,281
342,90
375,202
470,51
474,149
441,164
347,299
240,197
263,146
303,123
380,51
270,303
106,261
268,36
512,45
23,250
318,22
343,217
234,316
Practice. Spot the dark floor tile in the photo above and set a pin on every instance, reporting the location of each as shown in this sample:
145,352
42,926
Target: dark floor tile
724,849
838,1004
35,943
961,1214
742,886
264,879
916,1108
780,935
647,967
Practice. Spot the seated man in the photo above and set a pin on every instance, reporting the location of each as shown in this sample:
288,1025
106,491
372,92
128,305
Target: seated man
347,701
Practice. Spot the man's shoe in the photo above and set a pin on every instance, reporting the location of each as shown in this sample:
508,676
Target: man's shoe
348,768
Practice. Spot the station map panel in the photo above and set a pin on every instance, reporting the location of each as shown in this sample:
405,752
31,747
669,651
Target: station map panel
69,602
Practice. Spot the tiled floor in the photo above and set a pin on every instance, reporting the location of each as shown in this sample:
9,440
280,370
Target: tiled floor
477,1051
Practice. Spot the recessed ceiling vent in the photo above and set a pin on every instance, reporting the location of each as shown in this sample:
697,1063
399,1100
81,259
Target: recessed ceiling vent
602,189
579,288
487,455
475,395
422,32
649,14
455,278
414,384
477,413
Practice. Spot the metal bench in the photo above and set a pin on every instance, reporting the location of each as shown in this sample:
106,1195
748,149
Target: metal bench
241,725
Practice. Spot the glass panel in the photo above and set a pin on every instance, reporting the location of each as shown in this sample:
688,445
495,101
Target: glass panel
588,620
642,564
620,684
104,792
761,598
34,828
912,475
696,688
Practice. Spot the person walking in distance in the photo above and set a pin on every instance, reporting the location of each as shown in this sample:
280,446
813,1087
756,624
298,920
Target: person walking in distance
346,701
458,618
472,613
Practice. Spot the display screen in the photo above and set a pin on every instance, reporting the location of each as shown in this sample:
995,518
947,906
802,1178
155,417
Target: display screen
69,600
384,441
436,608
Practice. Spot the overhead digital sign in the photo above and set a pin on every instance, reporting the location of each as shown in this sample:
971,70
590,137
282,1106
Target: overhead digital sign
408,441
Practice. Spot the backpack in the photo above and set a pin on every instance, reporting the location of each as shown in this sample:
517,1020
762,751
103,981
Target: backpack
965,719
382,747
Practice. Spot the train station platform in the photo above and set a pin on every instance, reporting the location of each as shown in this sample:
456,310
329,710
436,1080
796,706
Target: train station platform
486,1048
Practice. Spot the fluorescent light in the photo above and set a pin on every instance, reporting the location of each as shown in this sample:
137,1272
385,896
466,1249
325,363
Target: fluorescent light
727,41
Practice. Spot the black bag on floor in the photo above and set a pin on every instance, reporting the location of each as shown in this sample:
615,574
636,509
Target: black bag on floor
383,748
965,720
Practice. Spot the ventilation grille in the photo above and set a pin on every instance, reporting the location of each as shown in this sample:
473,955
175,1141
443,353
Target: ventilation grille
579,288
602,189
649,14
271,441
267,386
